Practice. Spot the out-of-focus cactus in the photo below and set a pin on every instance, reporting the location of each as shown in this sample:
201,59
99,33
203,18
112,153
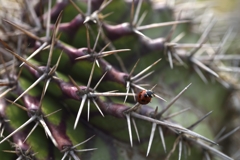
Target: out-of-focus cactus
71,73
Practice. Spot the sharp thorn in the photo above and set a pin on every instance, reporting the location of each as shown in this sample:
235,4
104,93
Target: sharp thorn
35,52
135,65
128,89
200,120
91,75
52,113
100,80
162,138
228,134
19,128
143,71
137,12
154,125
34,127
88,112
173,101
86,150
136,130
48,131
80,110
82,142
129,128
180,149
97,107
30,87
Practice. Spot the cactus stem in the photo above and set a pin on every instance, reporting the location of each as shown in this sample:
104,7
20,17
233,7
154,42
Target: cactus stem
200,120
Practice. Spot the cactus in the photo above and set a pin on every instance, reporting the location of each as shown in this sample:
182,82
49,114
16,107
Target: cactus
71,73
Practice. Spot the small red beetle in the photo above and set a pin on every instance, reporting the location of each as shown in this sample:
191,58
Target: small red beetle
145,96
